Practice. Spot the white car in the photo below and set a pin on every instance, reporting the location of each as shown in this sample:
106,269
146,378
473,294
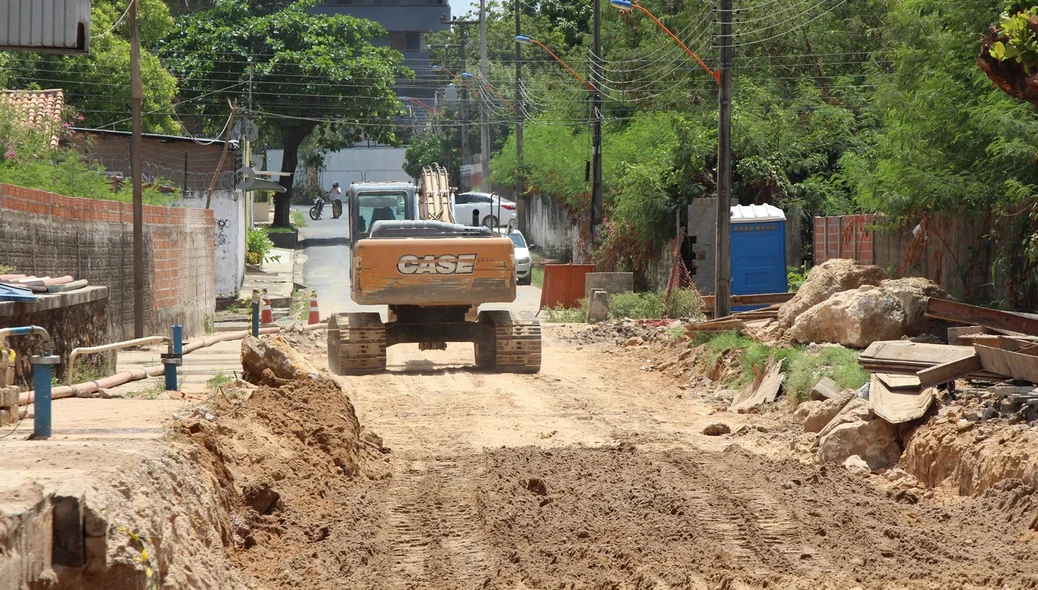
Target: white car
523,262
484,209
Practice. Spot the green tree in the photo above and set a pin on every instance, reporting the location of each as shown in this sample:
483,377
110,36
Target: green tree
310,72
98,85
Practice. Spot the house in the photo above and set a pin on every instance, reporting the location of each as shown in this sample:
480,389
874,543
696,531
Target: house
188,164
37,108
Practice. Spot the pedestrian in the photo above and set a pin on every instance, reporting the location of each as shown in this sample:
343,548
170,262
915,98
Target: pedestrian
335,196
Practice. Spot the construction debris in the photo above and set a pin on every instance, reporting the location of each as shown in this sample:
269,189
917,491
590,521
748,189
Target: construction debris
824,389
999,321
824,281
43,284
898,406
852,318
764,390
872,439
822,414
274,354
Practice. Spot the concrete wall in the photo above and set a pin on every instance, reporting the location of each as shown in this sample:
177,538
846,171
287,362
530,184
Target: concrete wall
357,164
230,228
46,234
74,319
551,226
702,232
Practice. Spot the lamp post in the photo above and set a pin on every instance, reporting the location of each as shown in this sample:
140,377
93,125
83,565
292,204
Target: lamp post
596,155
464,184
419,103
723,77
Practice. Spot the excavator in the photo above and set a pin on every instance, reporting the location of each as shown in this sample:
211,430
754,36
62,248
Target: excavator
409,254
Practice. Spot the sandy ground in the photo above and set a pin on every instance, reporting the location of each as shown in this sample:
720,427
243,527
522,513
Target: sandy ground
595,474
591,474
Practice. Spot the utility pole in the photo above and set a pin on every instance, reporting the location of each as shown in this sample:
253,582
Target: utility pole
136,95
466,157
596,139
723,286
484,116
520,198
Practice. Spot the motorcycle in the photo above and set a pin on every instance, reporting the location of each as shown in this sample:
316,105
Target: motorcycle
317,208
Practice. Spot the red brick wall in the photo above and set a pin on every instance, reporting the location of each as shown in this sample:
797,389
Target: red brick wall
47,234
844,236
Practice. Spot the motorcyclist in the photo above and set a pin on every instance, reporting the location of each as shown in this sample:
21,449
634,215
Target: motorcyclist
335,197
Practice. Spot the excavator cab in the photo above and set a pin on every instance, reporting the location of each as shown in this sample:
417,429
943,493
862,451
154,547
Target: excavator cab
370,202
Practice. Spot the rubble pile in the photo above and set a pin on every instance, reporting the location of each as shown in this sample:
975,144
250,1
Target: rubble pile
624,332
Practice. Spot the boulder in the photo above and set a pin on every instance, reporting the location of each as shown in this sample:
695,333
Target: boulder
805,409
914,293
857,465
855,410
825,389
874,440
273,353
824,280
854,318
717,429
825,411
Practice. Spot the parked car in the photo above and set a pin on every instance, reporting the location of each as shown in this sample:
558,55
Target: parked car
523,262
484,209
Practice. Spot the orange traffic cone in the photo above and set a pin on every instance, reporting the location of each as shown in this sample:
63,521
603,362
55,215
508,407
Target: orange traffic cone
315,313
266,313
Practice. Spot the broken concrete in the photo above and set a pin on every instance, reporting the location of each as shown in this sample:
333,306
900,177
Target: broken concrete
598,307
873,440
855,318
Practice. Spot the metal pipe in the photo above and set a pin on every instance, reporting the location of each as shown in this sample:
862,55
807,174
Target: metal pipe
48,344
42,370
113,346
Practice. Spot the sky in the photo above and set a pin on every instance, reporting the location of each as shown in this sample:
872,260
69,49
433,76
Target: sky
460,7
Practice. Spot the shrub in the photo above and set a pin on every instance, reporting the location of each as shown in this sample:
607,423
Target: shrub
257,246
564,315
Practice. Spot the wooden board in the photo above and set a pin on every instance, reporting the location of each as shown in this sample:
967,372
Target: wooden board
894,381
762,299
949,371
904,351
765,390
899,406
981,316
728,323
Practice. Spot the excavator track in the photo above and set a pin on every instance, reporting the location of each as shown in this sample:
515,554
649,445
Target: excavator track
516,347
356,344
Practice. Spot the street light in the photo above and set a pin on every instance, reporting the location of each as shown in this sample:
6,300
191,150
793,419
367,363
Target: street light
492,89
419,103
627,6
456,77
524,40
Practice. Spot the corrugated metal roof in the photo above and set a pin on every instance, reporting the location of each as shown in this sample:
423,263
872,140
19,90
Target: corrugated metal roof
61,26
755,213
37,109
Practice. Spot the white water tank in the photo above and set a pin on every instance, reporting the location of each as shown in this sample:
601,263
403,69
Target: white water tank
53,26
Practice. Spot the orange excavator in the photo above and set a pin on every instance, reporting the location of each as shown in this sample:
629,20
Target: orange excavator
407,253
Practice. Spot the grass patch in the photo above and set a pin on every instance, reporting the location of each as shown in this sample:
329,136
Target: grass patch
281,230
563,315
298,219
684,303
217,381
537,276
803,368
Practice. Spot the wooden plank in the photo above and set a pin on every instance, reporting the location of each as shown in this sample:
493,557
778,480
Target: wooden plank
899,406
955,333
949,371
762,299
989,318
901,350
992,359
726,323
766,388
895,381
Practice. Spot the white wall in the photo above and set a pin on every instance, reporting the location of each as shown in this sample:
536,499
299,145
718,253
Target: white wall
229,212
356,164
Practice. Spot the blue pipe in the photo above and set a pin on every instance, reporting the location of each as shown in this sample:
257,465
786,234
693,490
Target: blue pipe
255,319
171,363
41,383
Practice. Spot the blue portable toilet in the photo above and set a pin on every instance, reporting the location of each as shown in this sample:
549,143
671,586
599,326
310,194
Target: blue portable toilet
758,237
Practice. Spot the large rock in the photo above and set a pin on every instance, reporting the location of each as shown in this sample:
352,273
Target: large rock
856,410
274,353
824,280
824,412
874,440
855,318
914,293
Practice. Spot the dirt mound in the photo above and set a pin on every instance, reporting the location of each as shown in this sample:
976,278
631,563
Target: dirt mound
289,455
275,354
825,280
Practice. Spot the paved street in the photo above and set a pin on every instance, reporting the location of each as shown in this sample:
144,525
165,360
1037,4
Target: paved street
326,270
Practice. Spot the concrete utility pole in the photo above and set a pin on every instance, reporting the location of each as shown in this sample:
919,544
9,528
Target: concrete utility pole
596,139
723,276
520,198
136,96
484,131
466,157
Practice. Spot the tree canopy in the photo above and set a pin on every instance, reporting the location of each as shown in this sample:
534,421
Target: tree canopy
309,72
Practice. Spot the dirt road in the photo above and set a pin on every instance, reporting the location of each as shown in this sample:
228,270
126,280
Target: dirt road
594,474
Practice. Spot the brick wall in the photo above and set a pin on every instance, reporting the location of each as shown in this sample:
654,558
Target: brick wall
188,165
47,234
845,236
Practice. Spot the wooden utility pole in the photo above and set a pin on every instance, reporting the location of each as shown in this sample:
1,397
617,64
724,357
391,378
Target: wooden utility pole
484,130
520,198
596,139
723,263
136,96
